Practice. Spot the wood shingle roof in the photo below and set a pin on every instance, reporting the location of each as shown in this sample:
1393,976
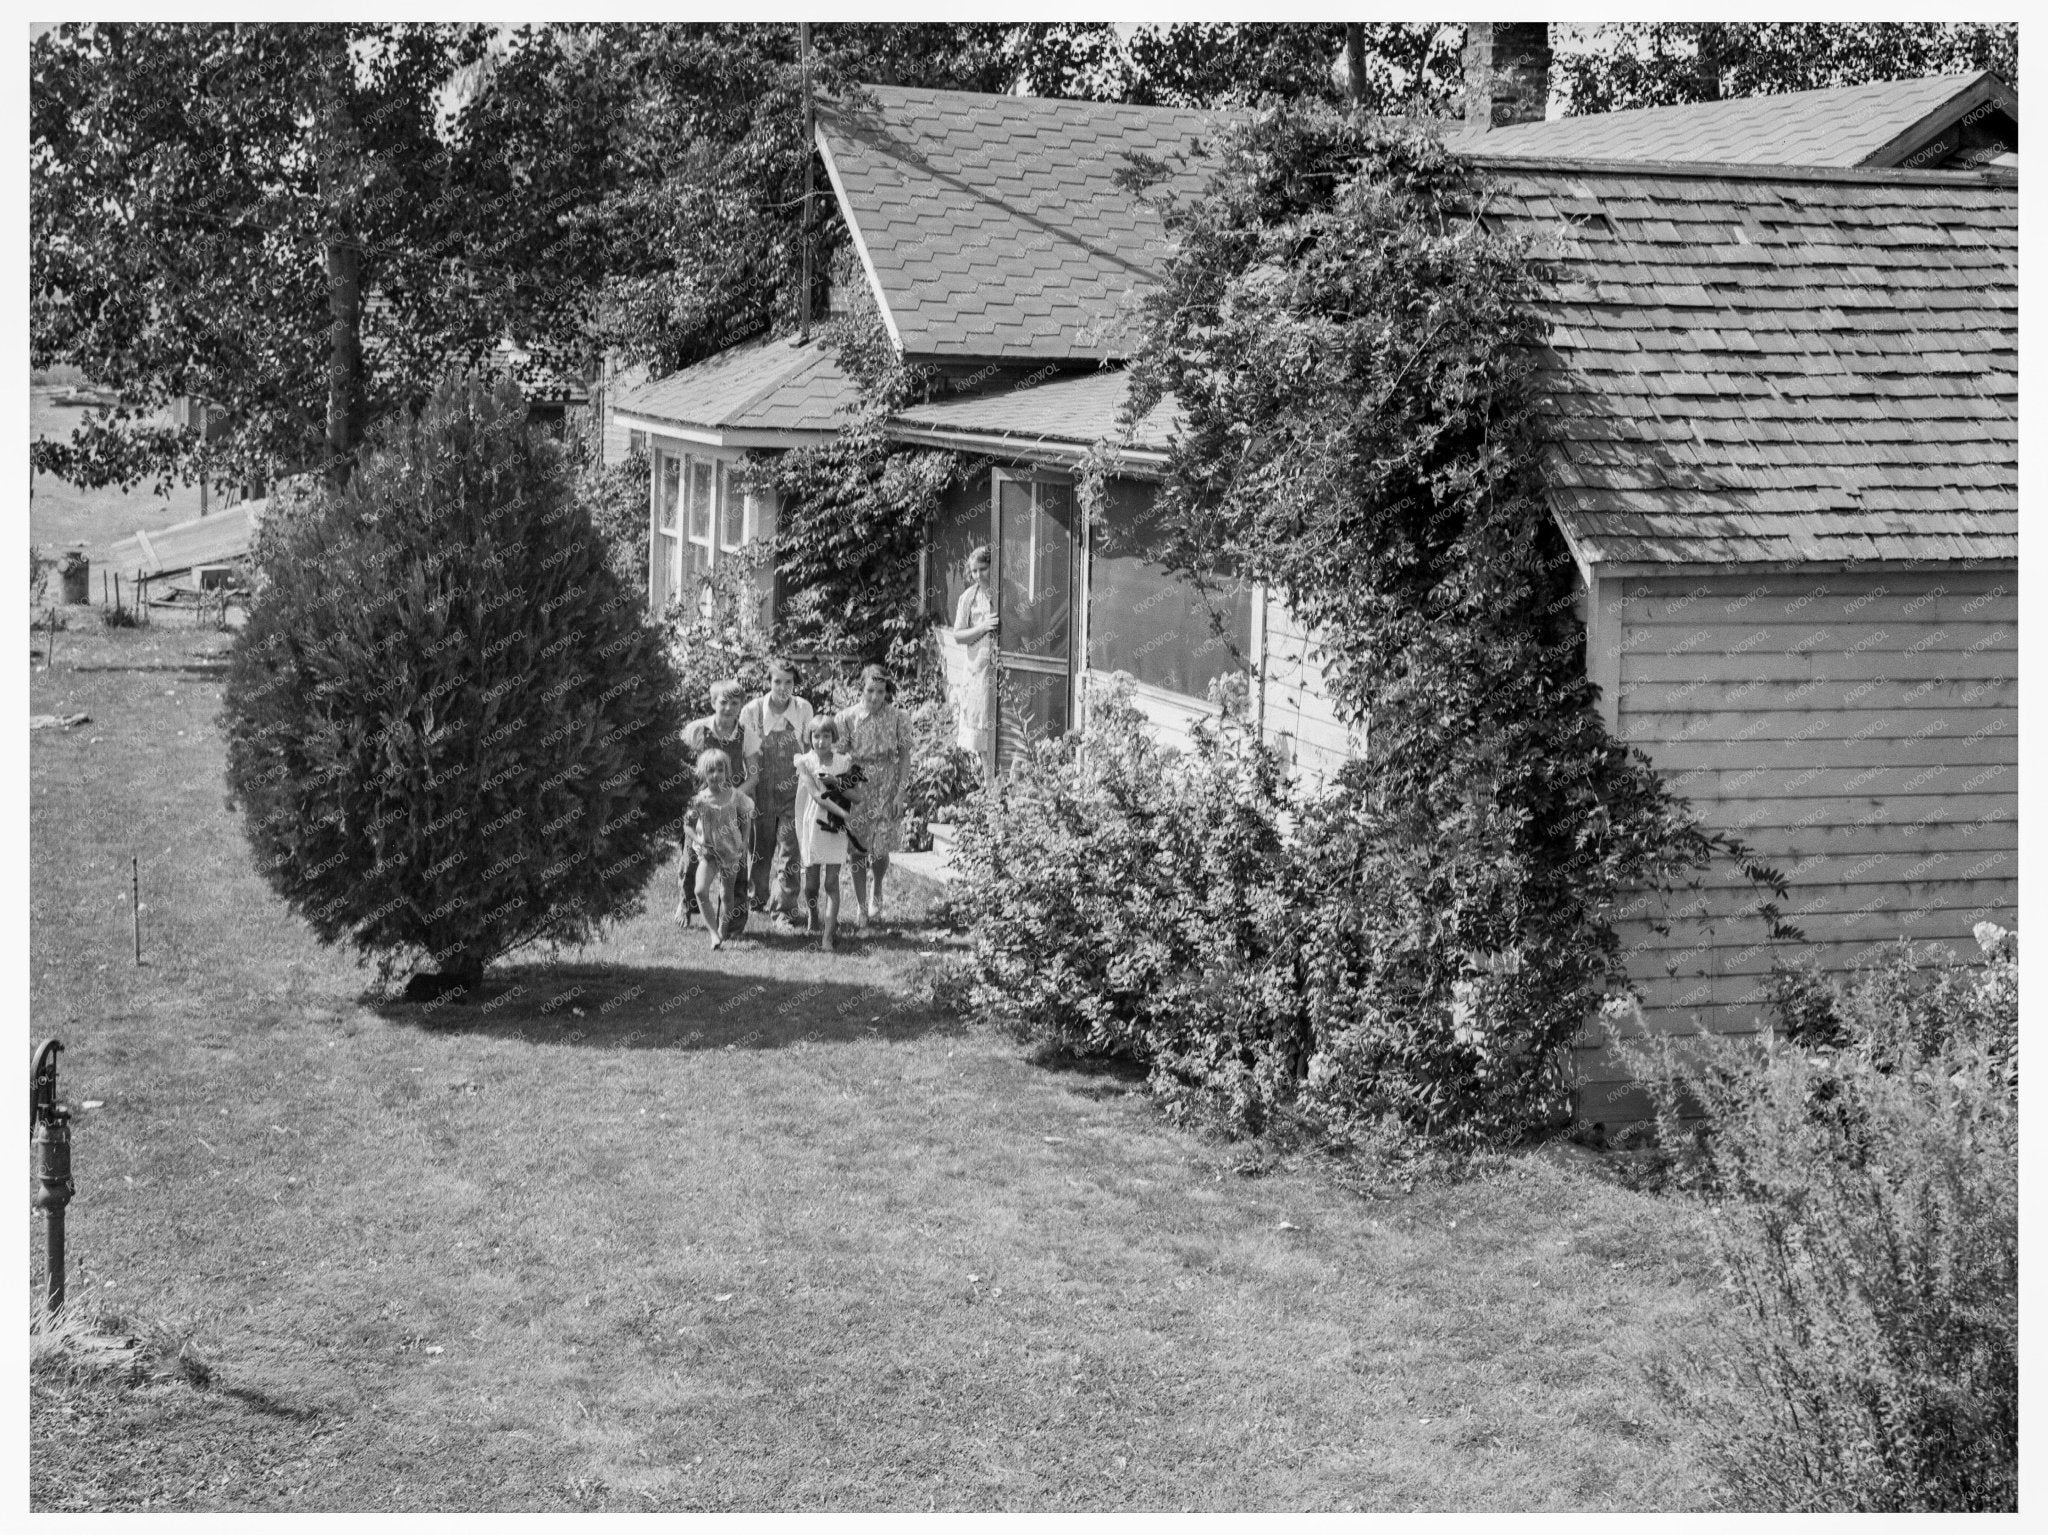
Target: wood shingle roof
1859,125
1766,367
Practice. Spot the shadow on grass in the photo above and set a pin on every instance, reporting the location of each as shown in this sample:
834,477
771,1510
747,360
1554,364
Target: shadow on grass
668,1007
1095,1076
271,1407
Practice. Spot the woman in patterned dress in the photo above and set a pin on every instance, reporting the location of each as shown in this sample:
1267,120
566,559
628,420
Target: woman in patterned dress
877,735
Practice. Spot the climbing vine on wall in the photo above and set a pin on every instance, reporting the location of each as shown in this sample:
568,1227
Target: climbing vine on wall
856,510
1352,349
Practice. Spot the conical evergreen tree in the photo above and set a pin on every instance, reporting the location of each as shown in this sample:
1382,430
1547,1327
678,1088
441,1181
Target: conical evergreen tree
450,726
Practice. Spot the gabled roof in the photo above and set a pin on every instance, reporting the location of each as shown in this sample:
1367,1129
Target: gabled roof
767,393
1063,416
1773,366
1883,124
992,227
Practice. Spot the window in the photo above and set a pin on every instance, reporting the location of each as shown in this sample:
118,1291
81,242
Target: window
664,566
702,517
1153,622
733,505
962,527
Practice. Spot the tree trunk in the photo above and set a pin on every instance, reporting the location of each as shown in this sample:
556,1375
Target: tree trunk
345,354
338,157
1708,48
1354,58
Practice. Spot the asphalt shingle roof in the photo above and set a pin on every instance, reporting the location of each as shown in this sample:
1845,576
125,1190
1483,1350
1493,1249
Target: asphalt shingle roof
1844,126
1080,409
771,385
1779,367
994,225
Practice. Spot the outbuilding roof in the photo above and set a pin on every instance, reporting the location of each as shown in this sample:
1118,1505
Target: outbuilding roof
1765,366
994,227
765,393
1883,124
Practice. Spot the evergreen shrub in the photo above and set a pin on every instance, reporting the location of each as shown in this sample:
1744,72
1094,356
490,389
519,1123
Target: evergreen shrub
1862,1186
450,726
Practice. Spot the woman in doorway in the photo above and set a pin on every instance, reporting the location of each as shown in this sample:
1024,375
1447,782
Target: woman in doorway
876,734
975,625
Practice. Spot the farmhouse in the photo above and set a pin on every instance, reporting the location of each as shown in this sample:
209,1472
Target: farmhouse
1782,400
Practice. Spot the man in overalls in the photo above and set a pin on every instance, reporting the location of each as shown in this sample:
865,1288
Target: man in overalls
724,729
780,724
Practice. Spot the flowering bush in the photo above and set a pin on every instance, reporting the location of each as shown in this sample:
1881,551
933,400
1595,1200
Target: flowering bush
1861,1175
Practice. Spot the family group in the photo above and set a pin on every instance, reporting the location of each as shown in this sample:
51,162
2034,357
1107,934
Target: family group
767,805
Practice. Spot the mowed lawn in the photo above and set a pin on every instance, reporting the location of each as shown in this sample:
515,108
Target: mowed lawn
653,1228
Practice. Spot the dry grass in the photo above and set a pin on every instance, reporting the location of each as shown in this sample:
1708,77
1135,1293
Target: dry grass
668,1229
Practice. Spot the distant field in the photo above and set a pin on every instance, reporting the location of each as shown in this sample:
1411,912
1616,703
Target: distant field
62,516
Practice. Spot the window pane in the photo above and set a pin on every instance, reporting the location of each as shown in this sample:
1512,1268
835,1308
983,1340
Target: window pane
1032,705
1149,621
735,508
668,492
700,499
1036,567
961,527
663,571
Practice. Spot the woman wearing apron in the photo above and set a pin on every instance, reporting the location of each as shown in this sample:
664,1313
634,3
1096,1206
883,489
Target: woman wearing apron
781,724
974,626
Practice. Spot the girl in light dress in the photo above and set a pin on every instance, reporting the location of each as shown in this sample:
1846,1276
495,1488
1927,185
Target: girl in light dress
719,825
820,825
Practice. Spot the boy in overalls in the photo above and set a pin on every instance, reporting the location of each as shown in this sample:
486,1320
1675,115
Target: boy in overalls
780,723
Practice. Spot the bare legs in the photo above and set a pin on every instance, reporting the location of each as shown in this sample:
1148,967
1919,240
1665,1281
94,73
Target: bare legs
714,895
826,874
880,863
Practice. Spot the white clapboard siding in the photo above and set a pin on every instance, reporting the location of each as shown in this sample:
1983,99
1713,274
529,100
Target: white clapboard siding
1171,715
1858,732
1298,713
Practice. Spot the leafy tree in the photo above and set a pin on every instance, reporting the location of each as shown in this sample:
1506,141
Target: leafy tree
1407,67
450,726
264,216
1666,63
706,232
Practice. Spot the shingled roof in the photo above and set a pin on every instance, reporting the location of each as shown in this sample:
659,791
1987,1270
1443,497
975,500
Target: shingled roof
760,394
1882,124
992,227
1775,366
1072,413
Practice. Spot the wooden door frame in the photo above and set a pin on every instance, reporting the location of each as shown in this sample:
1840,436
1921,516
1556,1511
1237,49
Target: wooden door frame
1077,587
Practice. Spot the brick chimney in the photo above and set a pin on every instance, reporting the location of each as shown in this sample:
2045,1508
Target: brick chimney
1507,73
